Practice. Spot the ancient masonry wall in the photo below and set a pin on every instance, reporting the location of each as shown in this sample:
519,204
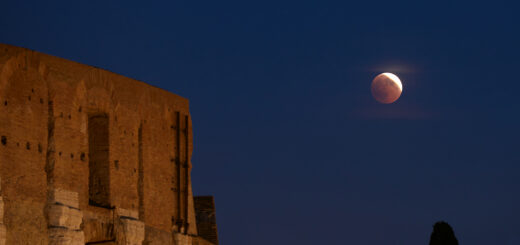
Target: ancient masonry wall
206,218
89,156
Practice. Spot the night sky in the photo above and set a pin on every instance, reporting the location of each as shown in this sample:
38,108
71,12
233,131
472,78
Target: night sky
287,136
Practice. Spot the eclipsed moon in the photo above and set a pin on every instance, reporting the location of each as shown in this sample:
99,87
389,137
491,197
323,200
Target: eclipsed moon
386,88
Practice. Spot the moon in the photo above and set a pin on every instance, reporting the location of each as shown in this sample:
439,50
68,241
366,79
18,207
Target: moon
386,88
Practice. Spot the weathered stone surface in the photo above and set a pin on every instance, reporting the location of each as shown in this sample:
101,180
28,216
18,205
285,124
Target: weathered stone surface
1,210
157,237
62,236
98,225
64,216
121,212
78,237
182,239
27,218
130,232
3,234
67,198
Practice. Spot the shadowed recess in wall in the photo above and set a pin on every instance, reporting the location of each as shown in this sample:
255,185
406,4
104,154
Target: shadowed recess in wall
99,178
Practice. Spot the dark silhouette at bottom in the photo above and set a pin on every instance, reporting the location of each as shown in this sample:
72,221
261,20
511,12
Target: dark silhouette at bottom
443,234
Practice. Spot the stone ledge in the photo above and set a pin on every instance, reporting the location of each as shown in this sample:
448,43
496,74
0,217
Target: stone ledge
67,198
64,216
126,213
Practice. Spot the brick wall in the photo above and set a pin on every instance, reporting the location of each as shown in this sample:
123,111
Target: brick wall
45,106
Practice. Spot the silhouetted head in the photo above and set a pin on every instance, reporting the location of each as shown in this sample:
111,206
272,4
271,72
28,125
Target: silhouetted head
443,234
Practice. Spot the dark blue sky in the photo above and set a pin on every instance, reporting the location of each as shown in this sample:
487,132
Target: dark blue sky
287,135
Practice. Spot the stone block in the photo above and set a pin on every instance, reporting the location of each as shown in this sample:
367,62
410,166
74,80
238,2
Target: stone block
62,236
130,232
58,236
64,216
97,228
67,198
182,239
120,212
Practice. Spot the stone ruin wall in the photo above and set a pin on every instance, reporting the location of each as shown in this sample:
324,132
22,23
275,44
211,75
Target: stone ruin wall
206,218
49,109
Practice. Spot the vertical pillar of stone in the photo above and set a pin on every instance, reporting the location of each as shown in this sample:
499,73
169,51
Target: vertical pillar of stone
129,230
3,232
65,218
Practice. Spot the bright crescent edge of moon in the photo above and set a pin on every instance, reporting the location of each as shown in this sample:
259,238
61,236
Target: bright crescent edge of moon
395,79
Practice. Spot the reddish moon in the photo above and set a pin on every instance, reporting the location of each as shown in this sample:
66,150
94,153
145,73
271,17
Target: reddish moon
386,88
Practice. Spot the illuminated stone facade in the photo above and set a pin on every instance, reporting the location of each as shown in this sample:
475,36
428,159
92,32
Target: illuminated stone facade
89,156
